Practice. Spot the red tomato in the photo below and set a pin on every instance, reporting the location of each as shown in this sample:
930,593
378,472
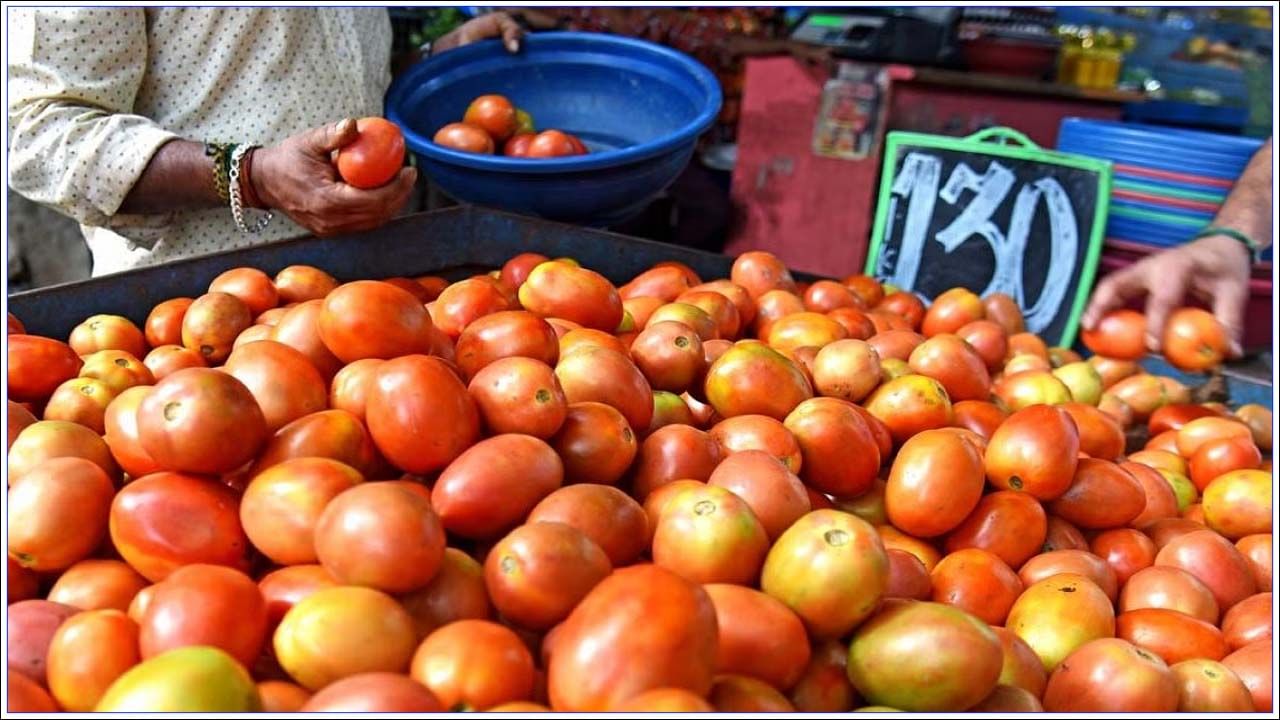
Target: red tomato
518,145
1112,675
606,515
379,535
374,692
1194,340
87,654
474,665
978,583
1126,550
205,605
283,381
1004,310
758,272
906,305
505,334
38,365
551,143
680,452
935,482
539,572
95,584
1215,562
951,311
1219,457
164,323
164,521
1119,334
457,592
416,393
579,148
1008,524
212,324
1253,665
200,420
555,289
42,441
494,114
374,157
908,578
1034,451
642,628
1172,635
300,283
1102,495
165,360
1101,436
464,137
840,454
1249,621
491,487
58,513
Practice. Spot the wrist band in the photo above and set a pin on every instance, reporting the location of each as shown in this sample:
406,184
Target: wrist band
221,154
250,195
1255,250
236,164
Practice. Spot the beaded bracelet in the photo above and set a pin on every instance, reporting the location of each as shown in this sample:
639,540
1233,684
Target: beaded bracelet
1255,250
237,200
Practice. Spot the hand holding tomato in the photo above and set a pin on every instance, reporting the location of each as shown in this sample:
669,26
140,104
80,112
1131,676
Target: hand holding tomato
1215,267
298,178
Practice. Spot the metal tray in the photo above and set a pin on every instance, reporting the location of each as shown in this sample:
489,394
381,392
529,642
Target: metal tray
455,242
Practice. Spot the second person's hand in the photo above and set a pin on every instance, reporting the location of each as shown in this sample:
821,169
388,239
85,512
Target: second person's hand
490,25
1214,269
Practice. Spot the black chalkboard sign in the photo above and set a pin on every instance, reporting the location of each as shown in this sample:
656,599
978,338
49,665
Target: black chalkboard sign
992,217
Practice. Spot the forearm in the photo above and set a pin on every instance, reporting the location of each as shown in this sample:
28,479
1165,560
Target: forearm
1249,206
179,177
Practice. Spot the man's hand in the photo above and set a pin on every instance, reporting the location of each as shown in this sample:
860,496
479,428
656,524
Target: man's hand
489,25
298,178
1214,269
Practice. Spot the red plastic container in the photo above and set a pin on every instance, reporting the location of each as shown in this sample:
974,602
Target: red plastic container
1259,314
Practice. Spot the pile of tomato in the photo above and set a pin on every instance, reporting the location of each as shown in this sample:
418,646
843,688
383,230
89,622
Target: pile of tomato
532,489
493,123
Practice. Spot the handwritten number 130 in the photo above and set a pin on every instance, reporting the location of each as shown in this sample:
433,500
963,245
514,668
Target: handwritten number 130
918,183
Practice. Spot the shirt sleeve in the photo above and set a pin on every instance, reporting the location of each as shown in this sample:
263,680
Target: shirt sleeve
74,143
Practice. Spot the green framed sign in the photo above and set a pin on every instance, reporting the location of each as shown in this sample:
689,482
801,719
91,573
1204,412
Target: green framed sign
992,212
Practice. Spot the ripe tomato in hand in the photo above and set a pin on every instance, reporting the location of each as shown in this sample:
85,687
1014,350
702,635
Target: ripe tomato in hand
376,155
551,143
464,137
1120,334
494,114
1194,340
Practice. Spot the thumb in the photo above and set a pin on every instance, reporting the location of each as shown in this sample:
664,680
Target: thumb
324,140
1229,301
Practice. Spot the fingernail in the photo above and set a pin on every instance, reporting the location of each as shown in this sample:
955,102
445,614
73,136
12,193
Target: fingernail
1236,350
1152,343
513,46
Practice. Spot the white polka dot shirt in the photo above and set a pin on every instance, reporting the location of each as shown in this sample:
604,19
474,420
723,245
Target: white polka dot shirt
94,93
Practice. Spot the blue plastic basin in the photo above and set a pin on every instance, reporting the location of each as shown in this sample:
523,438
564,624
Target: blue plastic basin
638,107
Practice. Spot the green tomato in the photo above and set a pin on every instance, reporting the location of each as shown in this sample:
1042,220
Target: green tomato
524,122
196,678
